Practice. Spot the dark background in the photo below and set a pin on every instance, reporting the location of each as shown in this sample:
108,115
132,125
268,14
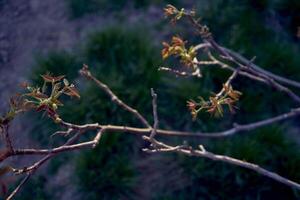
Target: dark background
121,41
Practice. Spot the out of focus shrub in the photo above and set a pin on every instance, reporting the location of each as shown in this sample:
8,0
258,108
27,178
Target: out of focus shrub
79,8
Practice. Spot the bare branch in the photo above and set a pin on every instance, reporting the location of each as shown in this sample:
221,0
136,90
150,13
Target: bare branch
81,128
179,73
30,170
236,129
141,131
97,138
54,150
201,46
206,154
278,78
113,128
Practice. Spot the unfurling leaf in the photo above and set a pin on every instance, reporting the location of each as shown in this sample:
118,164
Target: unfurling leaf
234,94
72,91
214,105
49,78
45,99
37,95
178,49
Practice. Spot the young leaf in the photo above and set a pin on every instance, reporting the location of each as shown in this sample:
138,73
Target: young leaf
66,82
48,78
72,92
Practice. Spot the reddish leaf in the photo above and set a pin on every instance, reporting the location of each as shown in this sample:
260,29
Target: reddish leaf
51,112
37,95
48,78
72,92
41,108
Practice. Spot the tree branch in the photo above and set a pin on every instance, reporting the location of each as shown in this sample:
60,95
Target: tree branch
161,147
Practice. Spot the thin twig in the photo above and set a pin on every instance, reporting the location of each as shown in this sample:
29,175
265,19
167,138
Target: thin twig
16,190
82,128
273,83
30,170
55,150
176,72
85,72
155,116
229,81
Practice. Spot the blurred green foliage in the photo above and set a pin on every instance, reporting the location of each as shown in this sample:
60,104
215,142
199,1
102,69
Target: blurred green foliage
107,172
35,189
79,8
1,3
56,63
127,61
268,147
288,10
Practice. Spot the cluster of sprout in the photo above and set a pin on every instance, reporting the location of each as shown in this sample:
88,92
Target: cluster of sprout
215,104
41,99
177,48
175,14
172,11
227,96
